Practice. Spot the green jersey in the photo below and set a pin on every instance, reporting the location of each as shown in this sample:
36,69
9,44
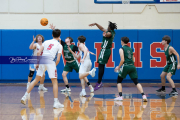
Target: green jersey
128,55
169,58
67,54
107,41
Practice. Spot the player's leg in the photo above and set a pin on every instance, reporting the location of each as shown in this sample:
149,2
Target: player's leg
174,91
52,72
31,73
89,84
41,86
67,68
133,75
64,75
100,75
119,86
102,60
31,86
163,82
172,71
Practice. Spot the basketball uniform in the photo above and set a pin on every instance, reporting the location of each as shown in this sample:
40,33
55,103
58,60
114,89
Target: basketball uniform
86,66
128,65
71,61
171,65
106,48
32,67
51,47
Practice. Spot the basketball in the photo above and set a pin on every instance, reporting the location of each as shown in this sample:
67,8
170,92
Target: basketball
44,21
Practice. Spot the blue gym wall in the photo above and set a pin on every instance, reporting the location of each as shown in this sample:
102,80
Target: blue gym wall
16,43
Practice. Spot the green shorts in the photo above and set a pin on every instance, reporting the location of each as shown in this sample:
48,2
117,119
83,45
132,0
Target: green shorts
128,70
70,66
104,56
170,68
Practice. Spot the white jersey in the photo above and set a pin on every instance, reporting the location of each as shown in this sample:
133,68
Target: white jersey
86,66
82,54
51,47
35,51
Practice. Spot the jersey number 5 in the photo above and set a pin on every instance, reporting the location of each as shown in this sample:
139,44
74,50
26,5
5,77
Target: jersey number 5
50,46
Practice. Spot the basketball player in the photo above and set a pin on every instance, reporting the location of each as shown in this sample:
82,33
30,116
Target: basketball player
127,63
71,61
171,66
49,48
86,64
108,37
35,47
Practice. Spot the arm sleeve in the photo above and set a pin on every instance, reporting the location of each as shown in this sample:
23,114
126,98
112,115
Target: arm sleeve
62,43
60,49
75,48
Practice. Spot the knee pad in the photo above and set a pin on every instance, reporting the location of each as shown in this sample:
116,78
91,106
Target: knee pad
31,73
135,81
119,80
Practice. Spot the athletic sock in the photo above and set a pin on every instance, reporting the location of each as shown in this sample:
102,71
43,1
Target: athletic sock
88,83
55,99
120,94
26,94
83,90
28,82
174,89
163,88
142,94
67,86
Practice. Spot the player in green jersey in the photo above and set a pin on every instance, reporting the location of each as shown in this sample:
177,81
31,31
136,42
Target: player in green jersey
171,66
128,68
108,37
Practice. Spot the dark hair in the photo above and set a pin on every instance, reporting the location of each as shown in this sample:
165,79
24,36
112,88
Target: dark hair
56,33
71,39
82,39
167,38
112,26
38,36
125,39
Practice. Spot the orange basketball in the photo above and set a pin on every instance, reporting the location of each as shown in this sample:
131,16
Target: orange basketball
44,21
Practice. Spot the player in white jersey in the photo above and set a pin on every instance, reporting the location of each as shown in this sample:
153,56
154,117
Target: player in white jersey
39,39
86,63
49,48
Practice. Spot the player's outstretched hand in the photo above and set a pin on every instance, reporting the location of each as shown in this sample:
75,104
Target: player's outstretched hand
92,24
34,39
116,69
37,66
52,27
178,67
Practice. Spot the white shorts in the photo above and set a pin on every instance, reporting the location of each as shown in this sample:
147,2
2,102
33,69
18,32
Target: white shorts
85,67
32,67
51,69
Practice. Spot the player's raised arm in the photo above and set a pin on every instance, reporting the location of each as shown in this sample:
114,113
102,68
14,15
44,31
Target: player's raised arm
52,27
92,53
74,54
32,45
122,59
172,50
99,26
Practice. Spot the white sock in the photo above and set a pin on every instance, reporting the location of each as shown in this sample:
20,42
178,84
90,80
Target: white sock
41,85
55,99
28,82
83,90
90,72
26,94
